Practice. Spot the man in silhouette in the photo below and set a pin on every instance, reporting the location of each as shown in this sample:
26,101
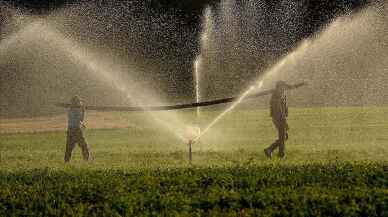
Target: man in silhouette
279,114
74,130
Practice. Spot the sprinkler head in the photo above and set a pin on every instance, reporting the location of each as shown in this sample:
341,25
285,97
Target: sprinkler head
192,132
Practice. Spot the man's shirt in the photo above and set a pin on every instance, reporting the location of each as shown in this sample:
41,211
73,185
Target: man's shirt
279,107
75,117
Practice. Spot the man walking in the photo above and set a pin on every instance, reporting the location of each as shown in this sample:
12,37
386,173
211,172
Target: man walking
279,114
74,130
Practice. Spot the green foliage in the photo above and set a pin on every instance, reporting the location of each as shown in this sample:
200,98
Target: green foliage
336,165
310,190
320,135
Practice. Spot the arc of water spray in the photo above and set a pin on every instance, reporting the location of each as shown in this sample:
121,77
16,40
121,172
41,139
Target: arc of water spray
207,23
13,39
197,65
256,86
219,117
74,51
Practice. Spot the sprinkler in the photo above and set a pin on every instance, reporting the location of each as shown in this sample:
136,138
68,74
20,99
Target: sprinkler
192,132
190,144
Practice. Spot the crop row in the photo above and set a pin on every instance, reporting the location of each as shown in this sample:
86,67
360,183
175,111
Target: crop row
310,190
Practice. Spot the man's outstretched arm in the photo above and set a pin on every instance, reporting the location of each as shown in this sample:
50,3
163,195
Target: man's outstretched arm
294,86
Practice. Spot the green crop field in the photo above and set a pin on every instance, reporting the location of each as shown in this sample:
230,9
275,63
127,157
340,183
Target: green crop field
336,165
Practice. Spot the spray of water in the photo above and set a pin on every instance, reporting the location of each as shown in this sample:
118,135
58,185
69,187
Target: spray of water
204,39
219,117
257,86
42,29
345,64
15,37
337,56
197,68
77,53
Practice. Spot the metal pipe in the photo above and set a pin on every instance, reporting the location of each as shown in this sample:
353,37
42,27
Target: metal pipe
179,106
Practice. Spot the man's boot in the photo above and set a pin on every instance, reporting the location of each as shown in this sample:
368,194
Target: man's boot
268,153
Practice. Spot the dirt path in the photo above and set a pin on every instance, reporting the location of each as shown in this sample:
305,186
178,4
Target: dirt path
94,120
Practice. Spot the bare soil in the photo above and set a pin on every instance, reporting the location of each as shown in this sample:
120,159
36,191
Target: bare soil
94,120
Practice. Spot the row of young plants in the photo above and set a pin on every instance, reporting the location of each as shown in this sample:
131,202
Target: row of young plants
340,189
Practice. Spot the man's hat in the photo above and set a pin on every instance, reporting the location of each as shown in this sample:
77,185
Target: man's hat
76,101
281,83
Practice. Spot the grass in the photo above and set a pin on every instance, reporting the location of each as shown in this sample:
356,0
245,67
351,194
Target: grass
336,165
317,135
